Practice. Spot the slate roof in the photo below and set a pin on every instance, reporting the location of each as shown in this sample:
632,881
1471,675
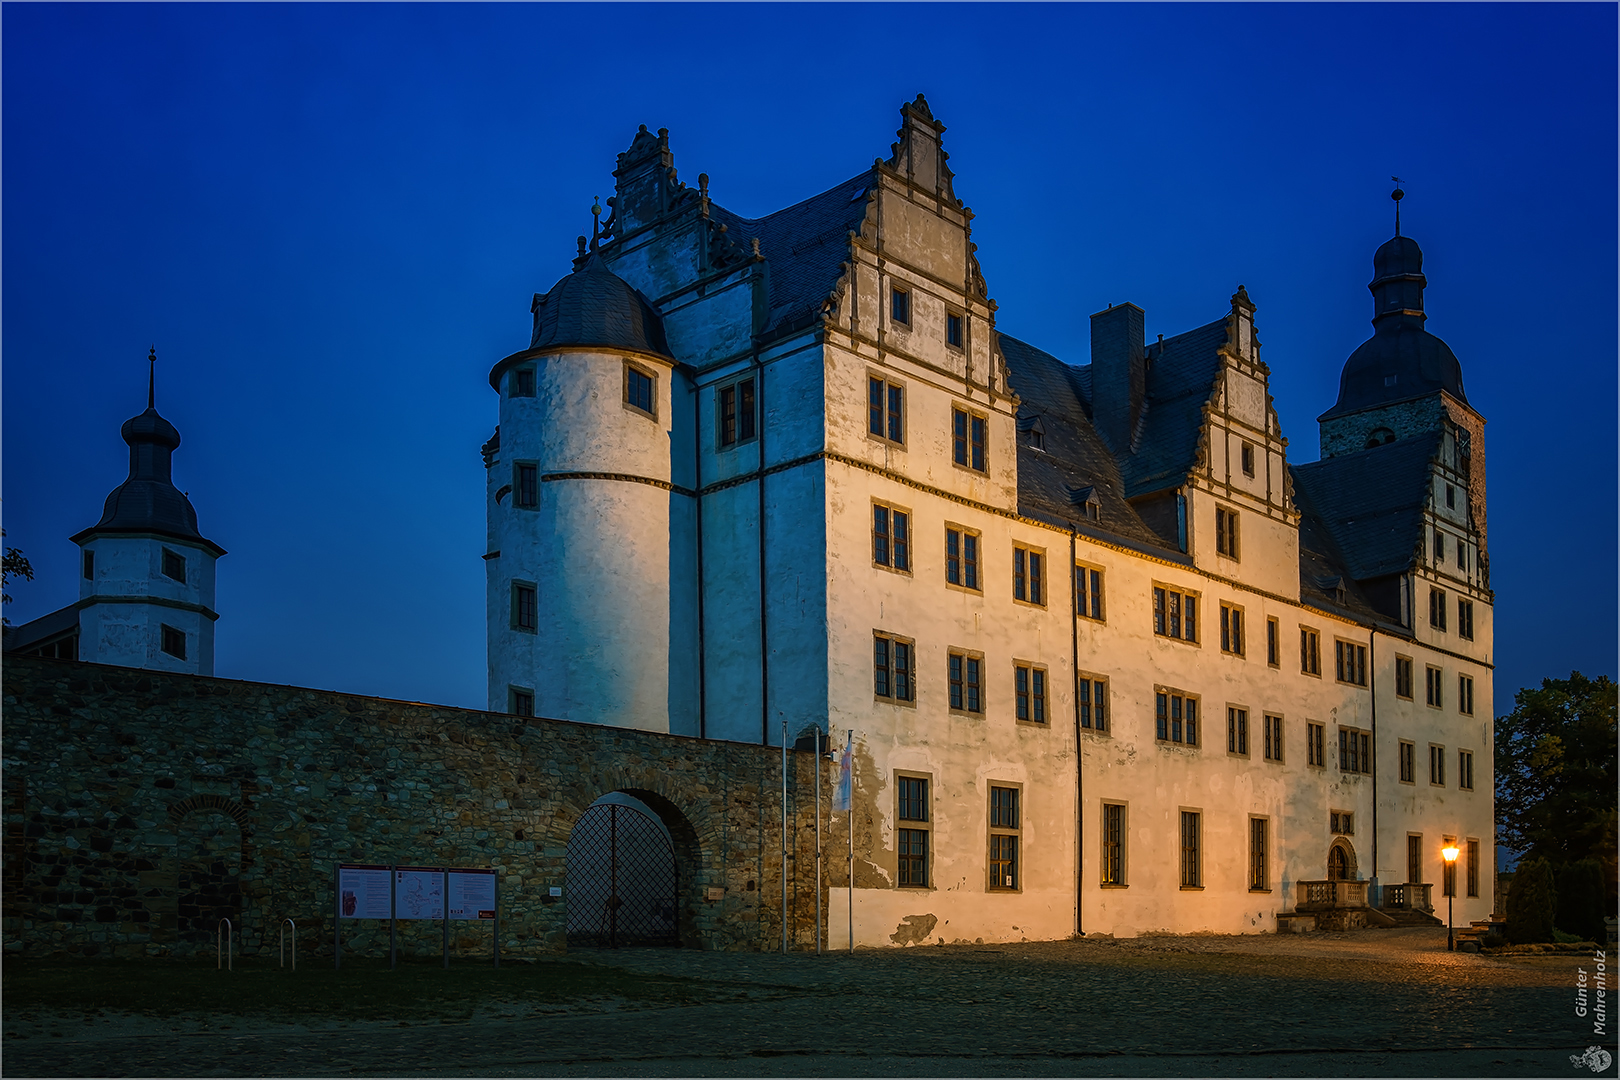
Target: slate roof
1180,379
805,246
1370,503
595,306
34,631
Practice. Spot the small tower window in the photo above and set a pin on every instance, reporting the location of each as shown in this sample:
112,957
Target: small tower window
174,566
638,390
1248,459
523,382
89,566
1451,497
900,306
174,642
953,329
526,488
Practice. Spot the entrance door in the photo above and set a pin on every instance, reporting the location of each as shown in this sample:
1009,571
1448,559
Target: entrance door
1338,864
621,880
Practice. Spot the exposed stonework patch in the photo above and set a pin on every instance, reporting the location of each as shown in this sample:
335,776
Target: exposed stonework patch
914,929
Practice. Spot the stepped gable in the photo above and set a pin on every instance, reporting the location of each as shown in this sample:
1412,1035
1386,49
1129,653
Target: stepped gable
1370,503
806,247
1075,458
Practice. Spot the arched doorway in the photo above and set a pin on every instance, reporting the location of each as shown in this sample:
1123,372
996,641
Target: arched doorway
1341,862
621,882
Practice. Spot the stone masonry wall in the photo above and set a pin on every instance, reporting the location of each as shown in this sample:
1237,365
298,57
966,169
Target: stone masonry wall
141,807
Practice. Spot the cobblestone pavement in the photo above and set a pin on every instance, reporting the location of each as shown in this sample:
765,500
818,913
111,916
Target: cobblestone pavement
1376,1003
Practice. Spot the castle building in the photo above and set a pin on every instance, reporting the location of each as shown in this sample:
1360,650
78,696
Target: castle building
146,589
1111,662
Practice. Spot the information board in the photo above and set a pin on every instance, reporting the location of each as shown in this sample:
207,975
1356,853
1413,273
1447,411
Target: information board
472,894
418,892
363,891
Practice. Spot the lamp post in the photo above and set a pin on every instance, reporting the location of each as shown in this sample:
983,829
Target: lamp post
1449,853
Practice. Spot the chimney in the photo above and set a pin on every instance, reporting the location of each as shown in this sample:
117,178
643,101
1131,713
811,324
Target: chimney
1118,373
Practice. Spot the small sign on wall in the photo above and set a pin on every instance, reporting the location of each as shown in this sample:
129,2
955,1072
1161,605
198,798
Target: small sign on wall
715,893
556,890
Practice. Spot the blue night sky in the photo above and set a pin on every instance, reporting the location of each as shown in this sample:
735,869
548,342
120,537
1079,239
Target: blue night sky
330,221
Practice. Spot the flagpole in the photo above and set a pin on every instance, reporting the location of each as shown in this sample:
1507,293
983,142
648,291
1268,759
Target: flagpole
818,840
849,750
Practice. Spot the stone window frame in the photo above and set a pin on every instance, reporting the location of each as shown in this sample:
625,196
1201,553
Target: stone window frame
1032,576
1273,747
1315,744
1414,857
1160,593
515,700
517,386
1465,694
1465,770
1190,845
1237,730
1437,765
1406,762
1434,688
1175,726
1310,651
1095,699
1113,868
1341,822
172,641
745,413
173,565
1093,595
1273,642
996,882
1043,698
1231,624
967,657
631,366
890,387
961,328
963,534
1437,609
1227,538
1471,872
519,502
902,311
971,418
1349,662
517,623
894,548
1355,751
1465,619
924,825
1403,664
1246,458
1259,853
893,697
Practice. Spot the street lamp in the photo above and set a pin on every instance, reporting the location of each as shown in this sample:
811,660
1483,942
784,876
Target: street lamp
1449,853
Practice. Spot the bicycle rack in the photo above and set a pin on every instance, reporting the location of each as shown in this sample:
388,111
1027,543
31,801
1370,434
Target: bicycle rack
224,954
281,942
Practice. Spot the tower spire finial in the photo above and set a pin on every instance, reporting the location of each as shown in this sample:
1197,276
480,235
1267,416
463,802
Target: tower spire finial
151,379
1397,195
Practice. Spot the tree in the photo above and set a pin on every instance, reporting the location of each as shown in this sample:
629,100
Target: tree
13,564
1556,779
1580,900
1530,903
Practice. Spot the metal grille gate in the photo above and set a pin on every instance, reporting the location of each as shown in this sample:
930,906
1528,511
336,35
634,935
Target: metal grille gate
621,880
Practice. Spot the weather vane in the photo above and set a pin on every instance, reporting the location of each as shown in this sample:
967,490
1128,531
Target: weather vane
1397,195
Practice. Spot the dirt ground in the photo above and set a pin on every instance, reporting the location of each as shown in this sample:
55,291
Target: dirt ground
1371,1003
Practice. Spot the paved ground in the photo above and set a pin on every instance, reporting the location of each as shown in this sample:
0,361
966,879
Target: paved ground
1375,1003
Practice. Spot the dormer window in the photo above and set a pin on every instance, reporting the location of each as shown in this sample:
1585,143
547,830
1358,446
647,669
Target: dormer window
1379,437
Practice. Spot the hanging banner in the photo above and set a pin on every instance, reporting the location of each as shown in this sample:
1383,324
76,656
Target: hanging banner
846,769
363,891
472,894
418,892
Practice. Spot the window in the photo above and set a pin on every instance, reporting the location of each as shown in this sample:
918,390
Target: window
638,389
174,641
891,537
953,329
1448,872
1350,661
1113,844
1314,753
962,557
1175,613
1403,677
174,565
1258,876
736,413
1465,619
1437,765
966,674
1414,857
1226,532
526,485
1003,838
886,407
1273,643
522,384
1247,457
1088,592
525,607
1434,690
1094,702
1027,575
1462,555
1465,770
1231,629
1439,547
1355,750
1176,717
1451,497
1341,823
1274,737
1310,660
1408,762
913,835
1237,731
519,701
1471,854
1191,824
900,306
1465,694
967,439
1029,693
892,668
89,566
1437,609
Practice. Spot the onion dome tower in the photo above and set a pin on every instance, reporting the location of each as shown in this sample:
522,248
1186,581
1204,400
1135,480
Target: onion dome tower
146,590
591,559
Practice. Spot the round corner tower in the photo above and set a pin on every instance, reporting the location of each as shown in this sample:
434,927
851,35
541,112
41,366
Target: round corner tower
581,545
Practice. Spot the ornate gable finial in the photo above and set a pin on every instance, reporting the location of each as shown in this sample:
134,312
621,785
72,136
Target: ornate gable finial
1241,299
151,378
917,154
920,106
